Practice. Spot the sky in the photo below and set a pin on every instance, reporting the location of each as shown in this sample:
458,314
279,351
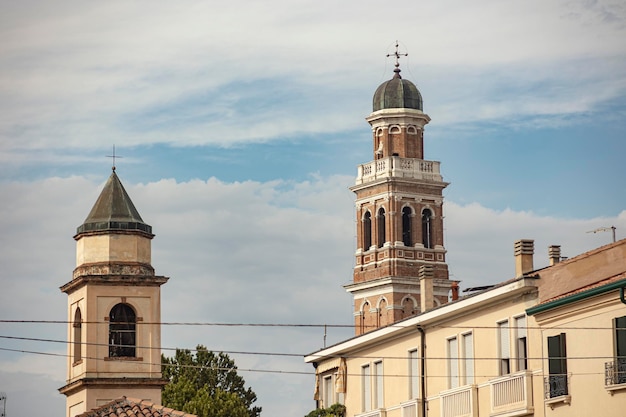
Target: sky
238,128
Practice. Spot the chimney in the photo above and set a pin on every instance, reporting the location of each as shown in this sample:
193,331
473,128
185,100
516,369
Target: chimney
524,250
427,300
554,253
455,290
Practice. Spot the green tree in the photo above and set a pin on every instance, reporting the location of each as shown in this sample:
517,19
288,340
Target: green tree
206,384
335,410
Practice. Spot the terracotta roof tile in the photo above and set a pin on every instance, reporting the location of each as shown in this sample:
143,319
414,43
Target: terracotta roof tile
606,281
132,407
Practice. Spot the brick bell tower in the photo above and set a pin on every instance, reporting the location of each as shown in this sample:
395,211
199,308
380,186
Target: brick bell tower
114,307
399,213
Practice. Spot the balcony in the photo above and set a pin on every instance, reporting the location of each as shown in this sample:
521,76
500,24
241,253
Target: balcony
556,389
406,409
374,413
395,166
512,395
460,402
615,375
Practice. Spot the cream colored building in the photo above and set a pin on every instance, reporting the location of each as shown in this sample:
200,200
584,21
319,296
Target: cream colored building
113,307
582,319
488,354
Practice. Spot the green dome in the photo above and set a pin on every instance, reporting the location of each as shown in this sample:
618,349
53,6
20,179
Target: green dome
397,93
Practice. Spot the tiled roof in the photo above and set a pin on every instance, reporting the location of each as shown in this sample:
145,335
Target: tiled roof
597,284
132,407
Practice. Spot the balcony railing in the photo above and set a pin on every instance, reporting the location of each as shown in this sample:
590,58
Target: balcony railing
459,402
512,393
615,372
394,166
374,413
555,386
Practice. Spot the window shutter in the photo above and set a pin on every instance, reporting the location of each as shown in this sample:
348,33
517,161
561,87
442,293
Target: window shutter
468,356
520,323
557,363
505,349
620,336
453,362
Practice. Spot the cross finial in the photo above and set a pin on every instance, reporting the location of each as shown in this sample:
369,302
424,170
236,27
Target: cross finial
397,56
113,157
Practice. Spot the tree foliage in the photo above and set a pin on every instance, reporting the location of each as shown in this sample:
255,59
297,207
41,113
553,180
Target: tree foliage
206,384
335,410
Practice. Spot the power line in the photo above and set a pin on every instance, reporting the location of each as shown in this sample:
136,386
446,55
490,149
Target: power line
298,355
272,371
296,325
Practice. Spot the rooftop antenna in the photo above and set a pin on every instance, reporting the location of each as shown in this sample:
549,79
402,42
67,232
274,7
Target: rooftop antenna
3,404
397,56
605,229
113,157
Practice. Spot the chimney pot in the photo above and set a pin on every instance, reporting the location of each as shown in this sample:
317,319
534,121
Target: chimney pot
524,250
426,274
554,253
455,290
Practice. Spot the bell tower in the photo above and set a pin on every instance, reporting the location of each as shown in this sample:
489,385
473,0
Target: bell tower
114,307
399,216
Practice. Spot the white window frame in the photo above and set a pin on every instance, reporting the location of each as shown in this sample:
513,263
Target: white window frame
378,384
328,390
467,355
521,342
366,387
452,350
503,337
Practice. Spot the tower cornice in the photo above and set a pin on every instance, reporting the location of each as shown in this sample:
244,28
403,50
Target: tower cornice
389,115
130,382
114,280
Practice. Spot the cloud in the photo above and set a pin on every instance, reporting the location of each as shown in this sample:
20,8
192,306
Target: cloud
80,74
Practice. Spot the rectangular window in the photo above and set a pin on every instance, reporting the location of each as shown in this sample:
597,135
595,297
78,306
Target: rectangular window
468,358
413,375
521,345
378,385
620,350
327,391
453,363
366,395
557,365
504,350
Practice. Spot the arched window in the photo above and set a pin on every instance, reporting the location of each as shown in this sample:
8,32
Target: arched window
365,312
408,307
77,346
367,231
380,221
122,323
427,236
406,226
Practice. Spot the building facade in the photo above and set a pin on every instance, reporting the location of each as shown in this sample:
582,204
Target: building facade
113,307
504,351
399,211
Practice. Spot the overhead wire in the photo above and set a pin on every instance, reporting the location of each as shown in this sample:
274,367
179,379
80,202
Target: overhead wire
299,325
272,371
298,355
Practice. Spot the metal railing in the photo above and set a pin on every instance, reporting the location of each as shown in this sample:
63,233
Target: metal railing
555,386
615,372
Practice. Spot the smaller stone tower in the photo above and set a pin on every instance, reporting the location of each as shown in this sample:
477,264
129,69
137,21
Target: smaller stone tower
114,307
399,211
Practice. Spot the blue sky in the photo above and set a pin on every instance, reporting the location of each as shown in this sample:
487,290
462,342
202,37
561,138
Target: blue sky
240,126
